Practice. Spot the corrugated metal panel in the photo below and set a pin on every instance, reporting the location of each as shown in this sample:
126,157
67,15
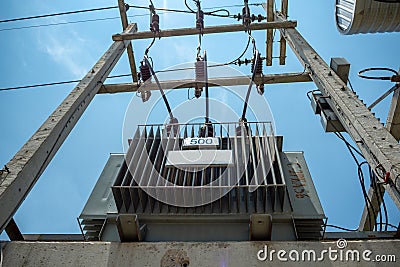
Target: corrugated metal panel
367,16
256,161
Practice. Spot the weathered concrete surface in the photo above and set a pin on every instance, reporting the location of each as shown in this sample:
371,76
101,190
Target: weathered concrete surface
194,254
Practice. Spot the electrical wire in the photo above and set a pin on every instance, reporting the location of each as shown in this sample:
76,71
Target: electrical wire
360,175
59,23
341,137
211,13
380,193
110,77
54,83
351,86
342,228
356,230
113,18
364,191
159,87
391,225
59,14
361,75
241,55
149,46
257,55
188,7
110,18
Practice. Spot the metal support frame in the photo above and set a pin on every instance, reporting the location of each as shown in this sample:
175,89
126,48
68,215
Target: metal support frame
212,82
32,159
393,126
374,141
207,30
129,49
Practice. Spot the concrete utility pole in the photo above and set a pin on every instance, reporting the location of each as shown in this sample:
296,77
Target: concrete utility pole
32,159
376,143
370,214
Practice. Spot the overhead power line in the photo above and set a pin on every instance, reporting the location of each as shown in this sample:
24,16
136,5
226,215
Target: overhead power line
109,77
54,83
213,13
59,14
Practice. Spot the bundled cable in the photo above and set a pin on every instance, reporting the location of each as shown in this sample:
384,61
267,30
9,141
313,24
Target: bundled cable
173,122
254,68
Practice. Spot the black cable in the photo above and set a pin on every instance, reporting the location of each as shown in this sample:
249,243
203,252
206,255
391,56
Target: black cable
57,24
391,225
360,74
312,91
351,86
55,83
364,191
380,194
257,55
59,14
374,186
38,85
212,13
342,228
112,18
160,88
188,7
341,137
360,174
228,14
109,77
242,54
149,46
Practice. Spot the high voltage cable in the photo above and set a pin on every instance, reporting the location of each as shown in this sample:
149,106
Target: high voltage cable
68,22
110,77
58,14
55,83
100,19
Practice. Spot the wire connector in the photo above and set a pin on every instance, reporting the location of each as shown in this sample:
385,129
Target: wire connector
173,127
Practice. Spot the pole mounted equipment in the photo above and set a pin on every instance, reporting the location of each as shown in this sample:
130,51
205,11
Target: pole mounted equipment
154,19
207,129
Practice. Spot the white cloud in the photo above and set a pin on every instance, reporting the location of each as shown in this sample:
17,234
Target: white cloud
67,49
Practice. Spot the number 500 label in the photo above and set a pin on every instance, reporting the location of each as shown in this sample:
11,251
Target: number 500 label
201,142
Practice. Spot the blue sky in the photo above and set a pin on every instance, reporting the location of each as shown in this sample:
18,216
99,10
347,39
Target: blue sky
66,52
